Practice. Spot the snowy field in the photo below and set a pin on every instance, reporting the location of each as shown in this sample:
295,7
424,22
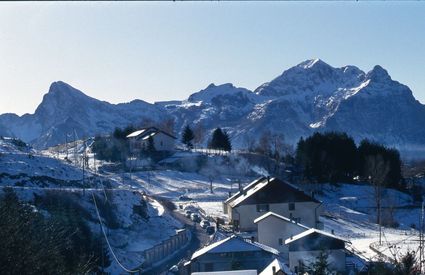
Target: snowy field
348,208
30,173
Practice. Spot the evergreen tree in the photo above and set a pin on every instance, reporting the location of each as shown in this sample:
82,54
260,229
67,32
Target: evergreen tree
188,137
368,149
227,145
220,140
320,266
151,145
328,157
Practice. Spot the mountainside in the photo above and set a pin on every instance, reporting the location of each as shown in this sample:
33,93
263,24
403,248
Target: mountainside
65,110
311,96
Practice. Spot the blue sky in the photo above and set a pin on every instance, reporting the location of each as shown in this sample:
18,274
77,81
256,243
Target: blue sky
156,51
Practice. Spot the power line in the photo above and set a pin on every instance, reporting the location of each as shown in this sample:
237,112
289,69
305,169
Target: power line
107,241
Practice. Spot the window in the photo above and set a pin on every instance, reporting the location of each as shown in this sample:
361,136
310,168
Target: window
209,266
291,206
280,241
262,207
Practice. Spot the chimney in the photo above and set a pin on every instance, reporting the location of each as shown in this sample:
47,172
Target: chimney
230,194
291,237
333,232
240,186
273,270
268,179
252,239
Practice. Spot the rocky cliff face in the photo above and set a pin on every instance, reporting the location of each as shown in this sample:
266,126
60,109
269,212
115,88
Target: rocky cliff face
65,110
311,96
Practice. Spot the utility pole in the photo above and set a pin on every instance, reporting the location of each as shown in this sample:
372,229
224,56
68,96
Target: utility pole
66,145
379,214
75,147
421,240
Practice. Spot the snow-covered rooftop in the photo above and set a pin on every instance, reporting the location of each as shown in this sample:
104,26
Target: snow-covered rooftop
268,214
312,231
233,244
279,266
136,133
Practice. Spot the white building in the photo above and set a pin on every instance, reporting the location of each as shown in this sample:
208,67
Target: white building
232,253
162,141
271,195
274,229
305,247
277,267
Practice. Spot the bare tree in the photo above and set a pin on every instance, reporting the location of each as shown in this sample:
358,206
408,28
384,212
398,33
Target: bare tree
167,126
198,132
377,169
264,144
249,142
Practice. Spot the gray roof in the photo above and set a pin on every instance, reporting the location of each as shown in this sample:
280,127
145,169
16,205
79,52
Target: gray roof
268,214
273,190
233,244
145,133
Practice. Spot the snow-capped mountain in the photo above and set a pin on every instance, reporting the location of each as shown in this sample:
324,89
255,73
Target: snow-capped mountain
65,110
311,96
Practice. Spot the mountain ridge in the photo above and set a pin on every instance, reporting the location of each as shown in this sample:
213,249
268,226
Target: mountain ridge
311,96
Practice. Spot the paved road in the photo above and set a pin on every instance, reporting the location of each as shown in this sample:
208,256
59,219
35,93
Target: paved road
199,238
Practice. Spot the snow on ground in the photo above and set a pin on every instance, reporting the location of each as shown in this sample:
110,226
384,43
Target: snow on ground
30,172
348,207
348,211
173,184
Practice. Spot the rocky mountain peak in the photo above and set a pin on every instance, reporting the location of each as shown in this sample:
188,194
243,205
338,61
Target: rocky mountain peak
378,74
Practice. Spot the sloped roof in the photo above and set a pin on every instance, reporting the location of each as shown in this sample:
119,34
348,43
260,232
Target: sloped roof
144,133
279,266
233,244
315,240
231,272
136,133
245,189
272,190
268,214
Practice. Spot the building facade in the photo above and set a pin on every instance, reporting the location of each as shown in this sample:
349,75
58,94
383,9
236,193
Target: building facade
272,195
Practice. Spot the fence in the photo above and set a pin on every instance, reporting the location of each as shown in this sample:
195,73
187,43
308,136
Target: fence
166,248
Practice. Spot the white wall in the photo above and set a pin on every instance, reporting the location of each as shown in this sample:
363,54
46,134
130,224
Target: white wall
162,142
246,214
271,229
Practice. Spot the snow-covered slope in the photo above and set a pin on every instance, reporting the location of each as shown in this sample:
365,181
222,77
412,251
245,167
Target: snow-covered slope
32,174
65,109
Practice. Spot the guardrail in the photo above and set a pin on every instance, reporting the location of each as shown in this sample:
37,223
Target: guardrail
166,248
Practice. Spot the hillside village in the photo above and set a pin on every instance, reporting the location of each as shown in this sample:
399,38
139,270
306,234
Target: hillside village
212,138
229,214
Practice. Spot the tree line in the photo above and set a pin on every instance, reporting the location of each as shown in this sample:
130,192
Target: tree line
59,243
335,157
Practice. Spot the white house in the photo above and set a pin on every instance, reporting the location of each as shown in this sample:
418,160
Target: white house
277,267
232,253
273,195
305,247
162,141
274,229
